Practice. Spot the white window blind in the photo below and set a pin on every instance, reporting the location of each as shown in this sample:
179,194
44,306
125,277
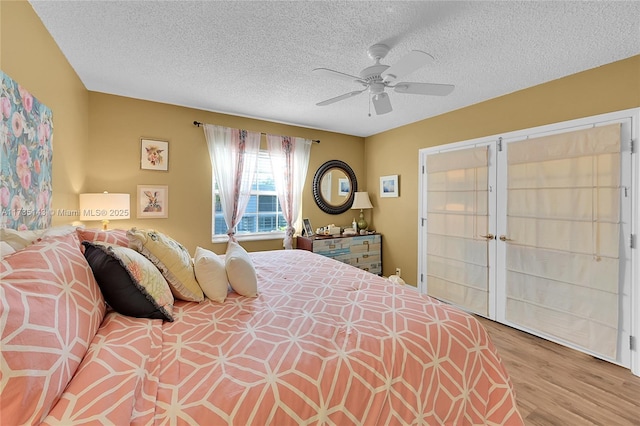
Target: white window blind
457,218
563,219
263,214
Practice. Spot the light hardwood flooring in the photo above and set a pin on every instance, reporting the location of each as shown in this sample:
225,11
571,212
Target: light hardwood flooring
556,385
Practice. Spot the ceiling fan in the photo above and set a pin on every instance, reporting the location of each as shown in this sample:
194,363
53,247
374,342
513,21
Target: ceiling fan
378,77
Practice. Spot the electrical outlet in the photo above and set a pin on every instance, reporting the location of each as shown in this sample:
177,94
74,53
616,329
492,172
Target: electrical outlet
398,272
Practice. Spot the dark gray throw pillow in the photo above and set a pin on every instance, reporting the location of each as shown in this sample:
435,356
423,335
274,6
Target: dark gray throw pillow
130,283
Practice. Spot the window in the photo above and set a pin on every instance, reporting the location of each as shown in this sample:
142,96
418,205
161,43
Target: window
263,217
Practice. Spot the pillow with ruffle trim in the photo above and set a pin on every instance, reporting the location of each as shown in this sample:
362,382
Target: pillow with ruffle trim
171,258
130,283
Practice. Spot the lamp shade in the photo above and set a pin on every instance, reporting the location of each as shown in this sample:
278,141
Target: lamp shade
104,206
361,201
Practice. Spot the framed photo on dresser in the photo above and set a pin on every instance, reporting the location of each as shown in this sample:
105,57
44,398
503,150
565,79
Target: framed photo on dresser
307,230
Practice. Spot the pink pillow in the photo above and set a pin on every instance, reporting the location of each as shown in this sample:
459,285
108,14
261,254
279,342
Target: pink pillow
116,237
51,308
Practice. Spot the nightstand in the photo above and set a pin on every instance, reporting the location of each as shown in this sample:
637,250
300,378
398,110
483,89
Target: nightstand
361,251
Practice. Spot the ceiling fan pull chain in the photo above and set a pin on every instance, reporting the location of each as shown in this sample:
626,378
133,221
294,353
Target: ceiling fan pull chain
369,105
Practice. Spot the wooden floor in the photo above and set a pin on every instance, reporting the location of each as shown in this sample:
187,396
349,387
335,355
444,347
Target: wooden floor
556,385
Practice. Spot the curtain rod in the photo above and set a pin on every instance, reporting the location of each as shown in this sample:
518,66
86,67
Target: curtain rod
197,123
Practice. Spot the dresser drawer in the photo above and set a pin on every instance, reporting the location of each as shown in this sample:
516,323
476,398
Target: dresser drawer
374,268
330,245
361,251
365,248
368,258
366,239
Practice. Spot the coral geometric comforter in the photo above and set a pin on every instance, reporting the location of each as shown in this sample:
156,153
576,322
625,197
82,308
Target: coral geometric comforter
323,343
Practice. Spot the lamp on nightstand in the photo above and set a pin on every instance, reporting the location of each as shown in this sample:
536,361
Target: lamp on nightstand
361,201
104,206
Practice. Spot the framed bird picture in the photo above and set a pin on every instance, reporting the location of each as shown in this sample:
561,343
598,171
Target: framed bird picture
154,155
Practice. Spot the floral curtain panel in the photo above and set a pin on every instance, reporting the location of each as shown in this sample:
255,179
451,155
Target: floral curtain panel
26,134
234,155
289,161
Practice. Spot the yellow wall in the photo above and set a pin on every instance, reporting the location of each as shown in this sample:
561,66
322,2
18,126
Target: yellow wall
116,126
29,55
604,89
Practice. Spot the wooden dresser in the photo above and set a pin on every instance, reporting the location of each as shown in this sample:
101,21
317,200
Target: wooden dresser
361,251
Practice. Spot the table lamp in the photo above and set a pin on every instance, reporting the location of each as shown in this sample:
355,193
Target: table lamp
105,207
361,201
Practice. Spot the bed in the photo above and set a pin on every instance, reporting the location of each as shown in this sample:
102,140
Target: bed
323,343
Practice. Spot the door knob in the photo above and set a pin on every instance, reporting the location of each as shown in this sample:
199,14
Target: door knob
488,236
504,238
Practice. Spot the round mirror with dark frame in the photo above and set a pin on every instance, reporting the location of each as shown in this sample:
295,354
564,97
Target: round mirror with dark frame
334,186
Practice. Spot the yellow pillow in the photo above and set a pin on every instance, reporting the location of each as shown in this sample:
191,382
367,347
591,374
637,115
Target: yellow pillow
171,258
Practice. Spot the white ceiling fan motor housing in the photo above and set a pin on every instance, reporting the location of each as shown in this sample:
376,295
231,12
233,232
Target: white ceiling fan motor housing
372,74
378,51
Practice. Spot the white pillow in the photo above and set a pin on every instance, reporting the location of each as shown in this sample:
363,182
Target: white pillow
5,249
18,240
240,270
211,274
60,231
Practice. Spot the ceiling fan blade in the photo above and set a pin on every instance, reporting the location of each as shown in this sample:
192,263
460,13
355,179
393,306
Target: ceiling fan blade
381,103
326,72
424,88
406,65
341,97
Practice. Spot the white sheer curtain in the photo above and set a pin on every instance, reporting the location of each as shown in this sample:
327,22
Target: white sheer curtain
289,161
234,154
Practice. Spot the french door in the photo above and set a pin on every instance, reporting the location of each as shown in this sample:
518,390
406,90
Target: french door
533,229
460,232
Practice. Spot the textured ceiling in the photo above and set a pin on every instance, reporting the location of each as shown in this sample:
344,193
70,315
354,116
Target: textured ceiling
255,59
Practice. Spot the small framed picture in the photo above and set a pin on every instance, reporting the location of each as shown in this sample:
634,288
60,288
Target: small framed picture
389,186
153,201
154,155
306,228
343,187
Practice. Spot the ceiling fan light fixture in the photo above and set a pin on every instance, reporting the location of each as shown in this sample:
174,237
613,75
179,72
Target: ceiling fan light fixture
381,103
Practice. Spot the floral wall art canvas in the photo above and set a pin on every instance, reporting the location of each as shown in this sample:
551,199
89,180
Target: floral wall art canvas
26,134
